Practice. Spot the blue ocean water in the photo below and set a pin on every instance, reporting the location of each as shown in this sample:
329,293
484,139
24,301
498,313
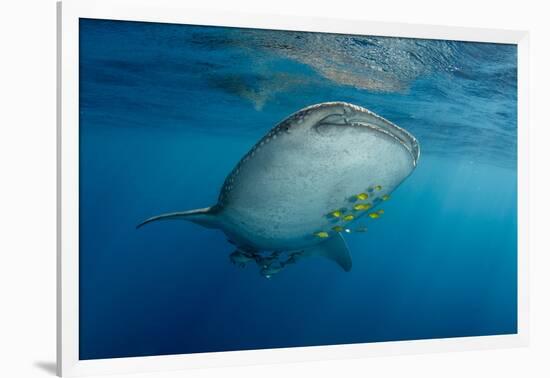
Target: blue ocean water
166,111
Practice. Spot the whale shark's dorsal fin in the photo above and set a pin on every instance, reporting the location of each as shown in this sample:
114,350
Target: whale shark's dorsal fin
206,217
334,249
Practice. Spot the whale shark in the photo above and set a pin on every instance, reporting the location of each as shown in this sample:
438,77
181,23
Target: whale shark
305,183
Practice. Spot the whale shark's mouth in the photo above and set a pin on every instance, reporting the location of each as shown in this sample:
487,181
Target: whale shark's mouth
355,116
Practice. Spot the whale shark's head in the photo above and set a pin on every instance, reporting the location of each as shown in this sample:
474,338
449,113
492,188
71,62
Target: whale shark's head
328,119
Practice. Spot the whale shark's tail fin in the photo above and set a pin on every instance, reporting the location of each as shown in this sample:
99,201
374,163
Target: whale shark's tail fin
334,249
206,217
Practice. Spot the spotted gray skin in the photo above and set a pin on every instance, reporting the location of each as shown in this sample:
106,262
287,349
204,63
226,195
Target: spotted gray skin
281,192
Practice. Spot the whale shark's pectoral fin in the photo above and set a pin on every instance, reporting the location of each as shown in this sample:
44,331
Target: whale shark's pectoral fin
206,217
334,249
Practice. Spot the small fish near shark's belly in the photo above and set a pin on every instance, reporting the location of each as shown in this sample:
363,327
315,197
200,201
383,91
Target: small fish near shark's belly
282,228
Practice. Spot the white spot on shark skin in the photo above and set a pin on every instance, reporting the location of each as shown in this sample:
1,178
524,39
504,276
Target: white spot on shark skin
286,188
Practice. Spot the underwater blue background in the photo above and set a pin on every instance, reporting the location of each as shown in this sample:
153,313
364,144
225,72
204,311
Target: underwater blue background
166,111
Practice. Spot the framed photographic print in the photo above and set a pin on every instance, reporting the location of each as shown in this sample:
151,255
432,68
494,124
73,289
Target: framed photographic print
254,188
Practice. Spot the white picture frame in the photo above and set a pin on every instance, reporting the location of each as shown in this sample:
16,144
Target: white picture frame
69,12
